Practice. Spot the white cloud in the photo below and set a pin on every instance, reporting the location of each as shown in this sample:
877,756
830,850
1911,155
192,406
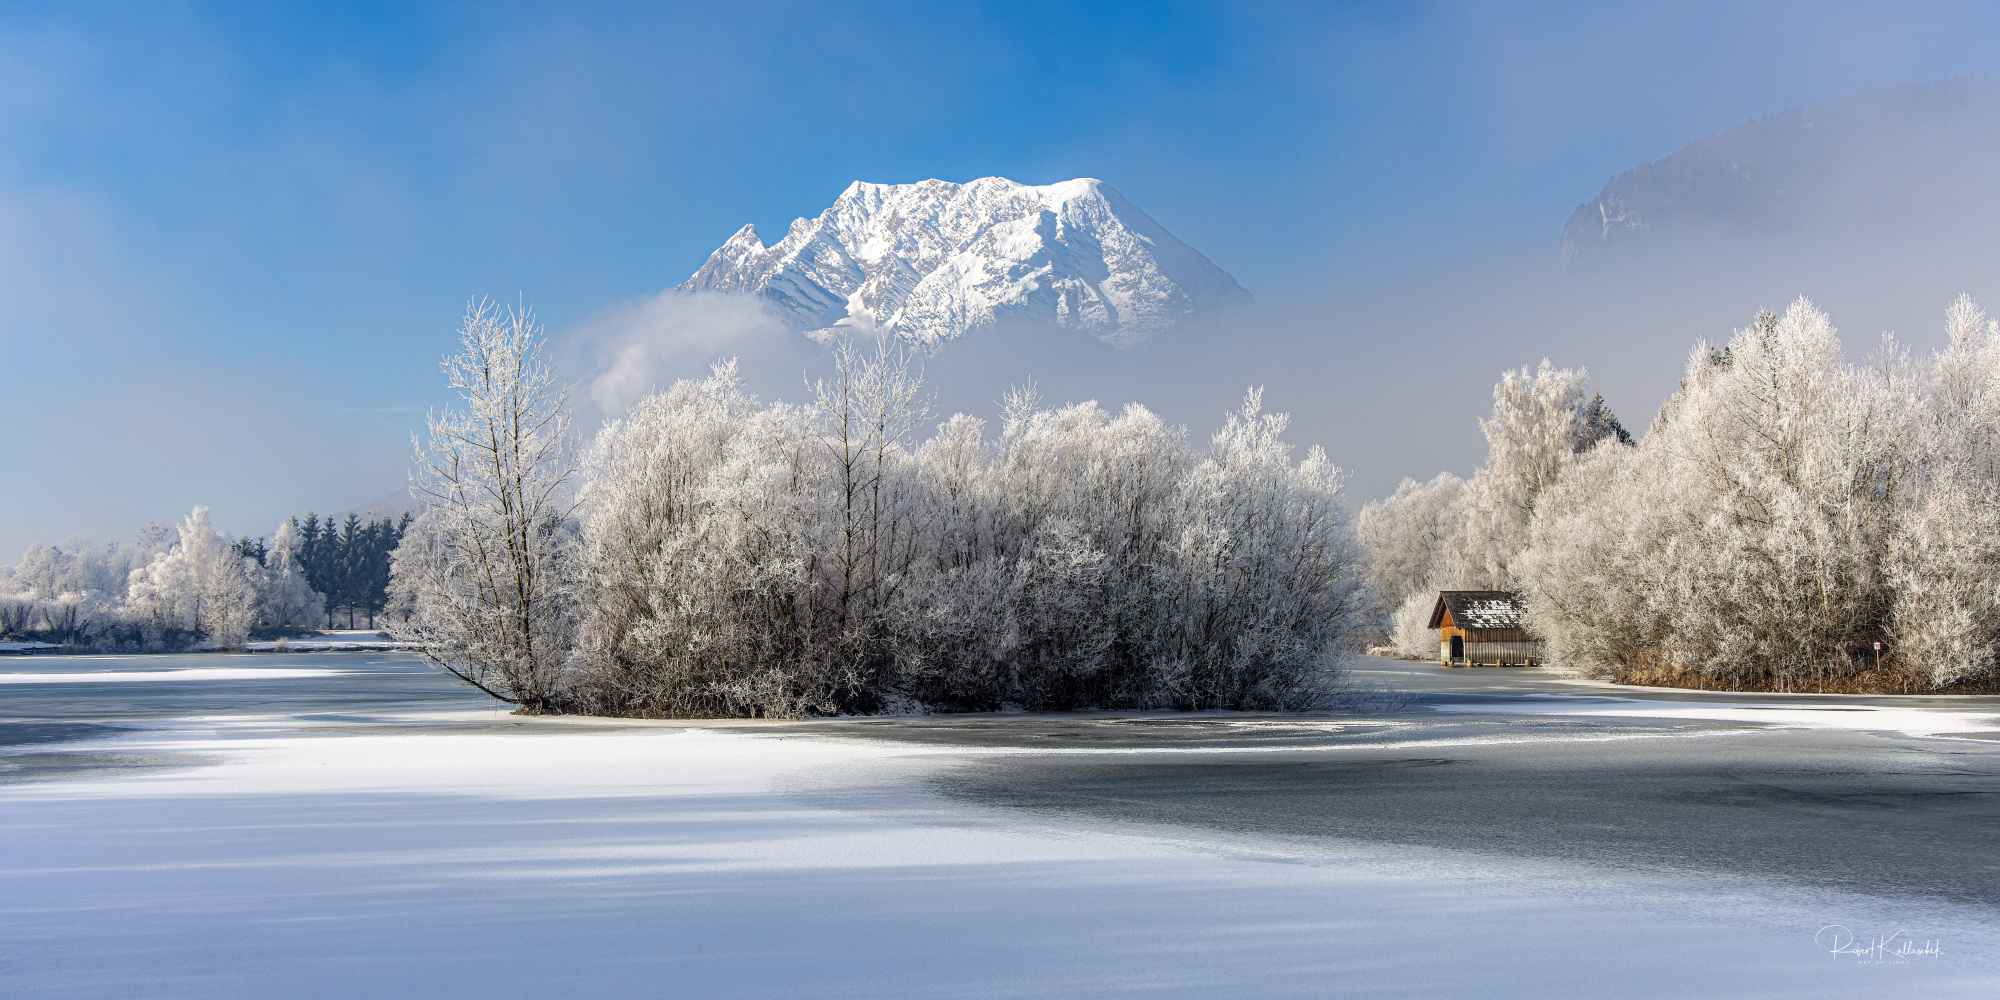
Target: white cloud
629,350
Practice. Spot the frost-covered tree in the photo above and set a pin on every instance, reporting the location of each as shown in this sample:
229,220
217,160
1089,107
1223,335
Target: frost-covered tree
284,597
1539,425
1748,538
79,566
1451,534
1600,424
485,575
152,539
867,412
154,596
200,585
1406,537
1943,562
72,594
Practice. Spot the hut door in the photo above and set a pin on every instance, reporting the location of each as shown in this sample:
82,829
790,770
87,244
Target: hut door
1458,647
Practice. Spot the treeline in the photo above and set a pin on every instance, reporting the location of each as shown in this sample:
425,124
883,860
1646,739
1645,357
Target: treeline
349,564
725,557
1791,521
188,586
174,589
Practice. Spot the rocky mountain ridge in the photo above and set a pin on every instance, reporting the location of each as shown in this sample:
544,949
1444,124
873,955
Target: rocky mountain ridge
934,261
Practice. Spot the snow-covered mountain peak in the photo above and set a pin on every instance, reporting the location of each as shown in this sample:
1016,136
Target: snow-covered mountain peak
934,261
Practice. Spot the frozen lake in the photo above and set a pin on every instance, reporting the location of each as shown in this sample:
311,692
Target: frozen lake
342,824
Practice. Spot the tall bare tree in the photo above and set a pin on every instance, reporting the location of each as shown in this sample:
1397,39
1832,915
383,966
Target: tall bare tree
484,575
870,407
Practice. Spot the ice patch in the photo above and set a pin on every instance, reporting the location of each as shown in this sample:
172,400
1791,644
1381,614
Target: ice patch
1910,720
156,676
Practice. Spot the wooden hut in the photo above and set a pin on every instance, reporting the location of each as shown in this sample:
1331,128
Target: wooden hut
1482,628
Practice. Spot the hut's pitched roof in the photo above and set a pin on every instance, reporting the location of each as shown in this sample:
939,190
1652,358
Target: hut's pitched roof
1479,609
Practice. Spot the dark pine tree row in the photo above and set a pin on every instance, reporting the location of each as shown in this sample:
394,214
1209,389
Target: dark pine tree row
348,562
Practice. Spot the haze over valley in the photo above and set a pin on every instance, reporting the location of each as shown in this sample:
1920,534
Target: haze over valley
312,273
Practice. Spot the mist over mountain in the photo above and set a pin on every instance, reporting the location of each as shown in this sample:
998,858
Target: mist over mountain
932,262
1886,165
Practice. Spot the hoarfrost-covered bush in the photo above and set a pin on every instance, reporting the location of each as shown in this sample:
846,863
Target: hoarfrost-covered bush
1410,627
81,623
701,515
743,559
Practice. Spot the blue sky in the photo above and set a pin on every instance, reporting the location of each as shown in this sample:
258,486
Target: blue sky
234,239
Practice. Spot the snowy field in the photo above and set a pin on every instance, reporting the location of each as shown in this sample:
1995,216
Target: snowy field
351,825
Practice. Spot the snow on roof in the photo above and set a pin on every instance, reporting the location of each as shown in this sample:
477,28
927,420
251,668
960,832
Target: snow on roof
1479,609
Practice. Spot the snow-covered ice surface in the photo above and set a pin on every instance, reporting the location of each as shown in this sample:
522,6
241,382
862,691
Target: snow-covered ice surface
388,837
1918,719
